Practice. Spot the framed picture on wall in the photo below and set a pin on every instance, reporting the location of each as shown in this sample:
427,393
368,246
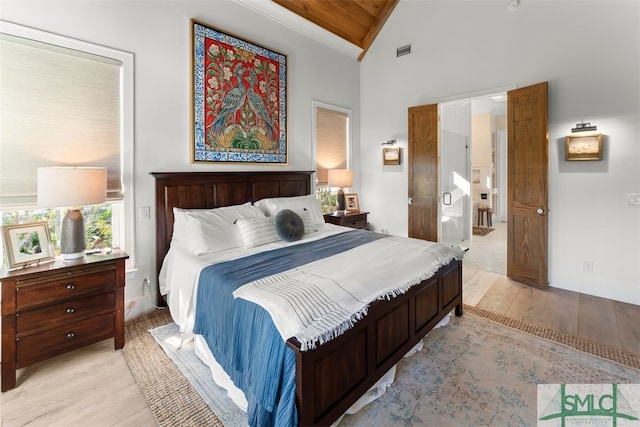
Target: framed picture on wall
583,147
239,99
391,155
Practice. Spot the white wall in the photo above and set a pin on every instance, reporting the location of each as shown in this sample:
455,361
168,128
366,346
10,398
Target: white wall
157,33
589,52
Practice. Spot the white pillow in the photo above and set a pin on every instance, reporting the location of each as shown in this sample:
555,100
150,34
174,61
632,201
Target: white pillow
298,204
203,231
310,226
257,231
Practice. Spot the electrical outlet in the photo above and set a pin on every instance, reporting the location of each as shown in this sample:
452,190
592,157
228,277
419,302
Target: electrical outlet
587,266
633,199
145,284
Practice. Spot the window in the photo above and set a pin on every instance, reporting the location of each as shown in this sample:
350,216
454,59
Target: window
331,126
66,103
332,140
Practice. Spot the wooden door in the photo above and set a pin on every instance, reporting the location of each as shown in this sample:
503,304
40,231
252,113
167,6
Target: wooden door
423,172
527,193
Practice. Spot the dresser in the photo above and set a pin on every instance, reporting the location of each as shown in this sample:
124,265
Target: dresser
347,219
56,307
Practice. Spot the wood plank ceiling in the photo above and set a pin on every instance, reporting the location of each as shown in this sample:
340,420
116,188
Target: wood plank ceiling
356,21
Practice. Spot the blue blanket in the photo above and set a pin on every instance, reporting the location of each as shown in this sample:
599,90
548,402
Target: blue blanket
241,334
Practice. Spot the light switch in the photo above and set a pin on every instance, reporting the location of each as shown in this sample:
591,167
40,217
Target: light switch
145,212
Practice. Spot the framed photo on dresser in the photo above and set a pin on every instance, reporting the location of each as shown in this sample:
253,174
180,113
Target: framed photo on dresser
351,202
27,244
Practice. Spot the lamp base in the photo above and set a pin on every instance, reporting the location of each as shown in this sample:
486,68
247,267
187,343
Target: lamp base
340,205
72,239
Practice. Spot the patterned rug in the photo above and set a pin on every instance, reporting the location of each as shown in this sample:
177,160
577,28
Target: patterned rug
481,231
481,369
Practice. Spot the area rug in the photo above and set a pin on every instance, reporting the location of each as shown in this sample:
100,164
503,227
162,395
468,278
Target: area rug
481,231
172,400
481,369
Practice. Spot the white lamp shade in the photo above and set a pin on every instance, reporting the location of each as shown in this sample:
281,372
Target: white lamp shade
340,178
71,186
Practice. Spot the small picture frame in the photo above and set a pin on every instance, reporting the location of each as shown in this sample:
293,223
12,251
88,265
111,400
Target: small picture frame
391,155
351,202
27,244
583,147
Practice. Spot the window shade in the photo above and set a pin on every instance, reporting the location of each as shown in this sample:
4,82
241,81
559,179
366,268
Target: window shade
59,107
331,137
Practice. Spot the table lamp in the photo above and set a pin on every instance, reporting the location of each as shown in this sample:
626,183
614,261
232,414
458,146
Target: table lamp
72,187
340,178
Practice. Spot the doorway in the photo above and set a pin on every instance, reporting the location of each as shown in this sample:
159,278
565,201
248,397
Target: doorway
473,179
527,170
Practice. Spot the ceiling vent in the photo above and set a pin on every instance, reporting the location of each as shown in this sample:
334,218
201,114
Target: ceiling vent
404,50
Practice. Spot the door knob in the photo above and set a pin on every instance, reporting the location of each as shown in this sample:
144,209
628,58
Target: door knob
540,211
410,201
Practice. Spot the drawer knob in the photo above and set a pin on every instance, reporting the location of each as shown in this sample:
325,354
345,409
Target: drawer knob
71,310
71,286
70,335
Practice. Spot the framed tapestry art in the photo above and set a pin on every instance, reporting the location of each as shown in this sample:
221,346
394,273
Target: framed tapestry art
239,111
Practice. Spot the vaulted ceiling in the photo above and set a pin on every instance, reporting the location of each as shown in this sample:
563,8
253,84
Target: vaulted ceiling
356,21
349,26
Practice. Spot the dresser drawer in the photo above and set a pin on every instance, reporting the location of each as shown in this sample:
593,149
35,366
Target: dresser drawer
33,293
33,348
359,222
71,311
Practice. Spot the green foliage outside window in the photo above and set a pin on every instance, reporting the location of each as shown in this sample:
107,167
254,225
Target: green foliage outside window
327,198
97,221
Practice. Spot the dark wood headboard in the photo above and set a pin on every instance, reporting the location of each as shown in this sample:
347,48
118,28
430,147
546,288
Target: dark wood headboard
201,190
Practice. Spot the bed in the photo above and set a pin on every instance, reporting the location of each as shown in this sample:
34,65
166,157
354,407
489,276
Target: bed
332,376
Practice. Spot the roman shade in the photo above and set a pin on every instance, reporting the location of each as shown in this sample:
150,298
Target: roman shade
59,107
332,138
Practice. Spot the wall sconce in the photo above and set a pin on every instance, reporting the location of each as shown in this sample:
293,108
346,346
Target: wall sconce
584,127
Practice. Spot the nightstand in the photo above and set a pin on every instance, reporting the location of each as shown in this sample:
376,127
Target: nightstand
348,219
56,307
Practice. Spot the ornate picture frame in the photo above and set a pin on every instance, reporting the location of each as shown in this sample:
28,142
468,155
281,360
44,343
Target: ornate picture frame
239,99
351,203
27,244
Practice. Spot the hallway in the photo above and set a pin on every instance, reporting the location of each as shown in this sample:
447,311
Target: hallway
488,252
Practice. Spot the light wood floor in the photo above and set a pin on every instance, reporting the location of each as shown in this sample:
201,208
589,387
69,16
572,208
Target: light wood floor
94,387
601,320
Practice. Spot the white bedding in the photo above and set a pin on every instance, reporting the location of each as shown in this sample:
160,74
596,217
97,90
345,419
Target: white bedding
319,301
181,269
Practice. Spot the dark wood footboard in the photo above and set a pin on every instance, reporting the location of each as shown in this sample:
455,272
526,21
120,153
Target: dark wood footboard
333,376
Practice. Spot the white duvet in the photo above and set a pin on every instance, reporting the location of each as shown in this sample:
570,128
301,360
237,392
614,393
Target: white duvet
349,281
